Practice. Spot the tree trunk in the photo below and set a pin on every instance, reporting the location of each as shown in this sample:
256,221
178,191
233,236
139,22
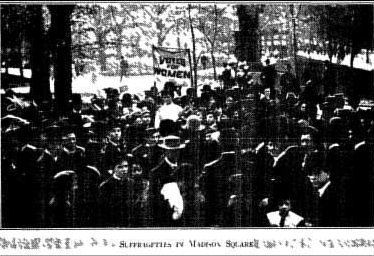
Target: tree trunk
39,58
352,58
247,46
102,47
367,56
61,27
193,50
214,42
214,65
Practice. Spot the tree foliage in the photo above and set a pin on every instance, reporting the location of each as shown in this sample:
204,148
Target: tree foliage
346,29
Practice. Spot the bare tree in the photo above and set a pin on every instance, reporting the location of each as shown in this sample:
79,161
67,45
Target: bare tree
193,48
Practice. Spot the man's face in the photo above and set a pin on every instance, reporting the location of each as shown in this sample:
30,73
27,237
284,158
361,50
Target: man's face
272,148
146,119
121,169
115,134
284,207
319,179
229,101
236,115
267,93
136,170
306,142
153,140
303,108
70,141
138,121
210,119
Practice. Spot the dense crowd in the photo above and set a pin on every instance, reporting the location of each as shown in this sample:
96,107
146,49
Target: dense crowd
254,153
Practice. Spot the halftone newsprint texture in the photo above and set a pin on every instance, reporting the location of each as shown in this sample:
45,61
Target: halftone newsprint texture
187,127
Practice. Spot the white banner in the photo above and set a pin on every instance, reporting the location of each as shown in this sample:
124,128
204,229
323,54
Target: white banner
172,65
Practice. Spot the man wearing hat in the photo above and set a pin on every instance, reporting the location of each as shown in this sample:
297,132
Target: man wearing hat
140,200
288,82
134,133
228,76
113,150
148,150
26,169
188,99
206,93
146,119
62,207
268,77
213,181
169,110
72,156
116,196
165,196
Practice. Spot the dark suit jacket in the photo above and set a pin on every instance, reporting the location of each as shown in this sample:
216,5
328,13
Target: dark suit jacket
292,180
116,202
214,185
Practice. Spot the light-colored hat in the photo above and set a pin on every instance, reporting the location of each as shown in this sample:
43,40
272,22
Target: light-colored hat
171,142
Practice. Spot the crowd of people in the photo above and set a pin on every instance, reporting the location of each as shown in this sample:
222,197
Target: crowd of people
254,153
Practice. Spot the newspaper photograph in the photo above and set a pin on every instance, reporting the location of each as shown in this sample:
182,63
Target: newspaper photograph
173,128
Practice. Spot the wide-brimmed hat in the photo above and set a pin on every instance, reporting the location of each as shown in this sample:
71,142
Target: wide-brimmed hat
171,142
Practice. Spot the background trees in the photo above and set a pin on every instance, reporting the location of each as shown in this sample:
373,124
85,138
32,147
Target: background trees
84,38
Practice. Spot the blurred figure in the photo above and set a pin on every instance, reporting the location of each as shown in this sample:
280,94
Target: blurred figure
288,83
124,66
62,207
268,77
